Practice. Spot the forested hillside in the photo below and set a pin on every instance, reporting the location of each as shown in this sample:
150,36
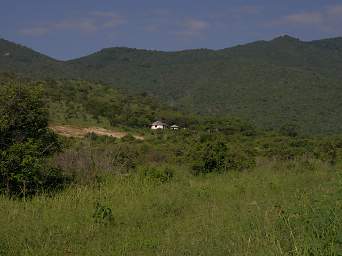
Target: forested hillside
20,59
83,103
272,83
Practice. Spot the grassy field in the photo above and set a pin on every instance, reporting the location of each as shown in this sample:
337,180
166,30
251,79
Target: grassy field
276,209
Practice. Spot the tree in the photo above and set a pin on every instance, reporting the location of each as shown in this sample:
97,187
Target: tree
215,156
212,158
25,141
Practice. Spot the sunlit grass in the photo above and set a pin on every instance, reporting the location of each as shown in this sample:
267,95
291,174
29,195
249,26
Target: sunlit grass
268,211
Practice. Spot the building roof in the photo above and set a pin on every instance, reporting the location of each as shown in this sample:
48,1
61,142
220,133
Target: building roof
157,123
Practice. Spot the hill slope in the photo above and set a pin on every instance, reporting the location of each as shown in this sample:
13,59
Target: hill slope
20,59
87,104
272,83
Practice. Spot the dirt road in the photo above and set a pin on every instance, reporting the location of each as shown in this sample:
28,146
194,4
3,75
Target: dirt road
77,132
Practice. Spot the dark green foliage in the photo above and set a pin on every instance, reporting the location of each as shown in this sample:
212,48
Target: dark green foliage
215,156
156,173
23,117
239,159
102,214
86,103
212,159
229,82
53,179
285,148
81,102
290,148
20,59
25,142
271,83
226,125
21,168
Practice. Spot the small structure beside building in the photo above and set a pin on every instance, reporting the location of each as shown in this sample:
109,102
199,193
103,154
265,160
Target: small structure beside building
158,125
174,127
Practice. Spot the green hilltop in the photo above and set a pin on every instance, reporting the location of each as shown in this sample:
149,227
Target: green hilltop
272,83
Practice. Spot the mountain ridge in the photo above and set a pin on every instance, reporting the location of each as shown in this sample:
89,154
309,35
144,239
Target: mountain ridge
284,37
275,82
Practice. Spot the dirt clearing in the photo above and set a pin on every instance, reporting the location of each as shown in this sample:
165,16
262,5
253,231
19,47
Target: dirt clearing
77,132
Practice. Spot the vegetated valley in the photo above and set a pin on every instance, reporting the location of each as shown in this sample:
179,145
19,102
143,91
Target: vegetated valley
255,167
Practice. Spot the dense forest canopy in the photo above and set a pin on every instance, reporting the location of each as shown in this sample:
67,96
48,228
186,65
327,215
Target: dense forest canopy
272,83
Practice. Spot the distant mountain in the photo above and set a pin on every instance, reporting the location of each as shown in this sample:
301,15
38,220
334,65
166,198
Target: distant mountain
20,59
323,56
272,83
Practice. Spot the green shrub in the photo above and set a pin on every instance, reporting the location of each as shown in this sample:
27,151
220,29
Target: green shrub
327,152
100,138
102,214
128,138
238,159
217,157
213,158
25,142
156,174
125,158
286,148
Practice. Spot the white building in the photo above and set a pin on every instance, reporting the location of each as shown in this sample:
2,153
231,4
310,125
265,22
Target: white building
158,125
174,127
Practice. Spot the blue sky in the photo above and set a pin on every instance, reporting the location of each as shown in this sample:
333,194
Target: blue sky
67,29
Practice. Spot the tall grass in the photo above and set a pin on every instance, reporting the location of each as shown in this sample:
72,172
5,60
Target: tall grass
273,210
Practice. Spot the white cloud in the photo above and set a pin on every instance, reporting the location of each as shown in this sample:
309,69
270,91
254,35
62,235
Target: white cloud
309,18
110,19
192,28
196,25
91,23
326,20
83,25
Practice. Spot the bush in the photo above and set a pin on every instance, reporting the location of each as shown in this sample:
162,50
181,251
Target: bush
156,174
238,159
100,139
128,138
25,142
102,214
327,152
213,158
287,148
125,158
217,157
